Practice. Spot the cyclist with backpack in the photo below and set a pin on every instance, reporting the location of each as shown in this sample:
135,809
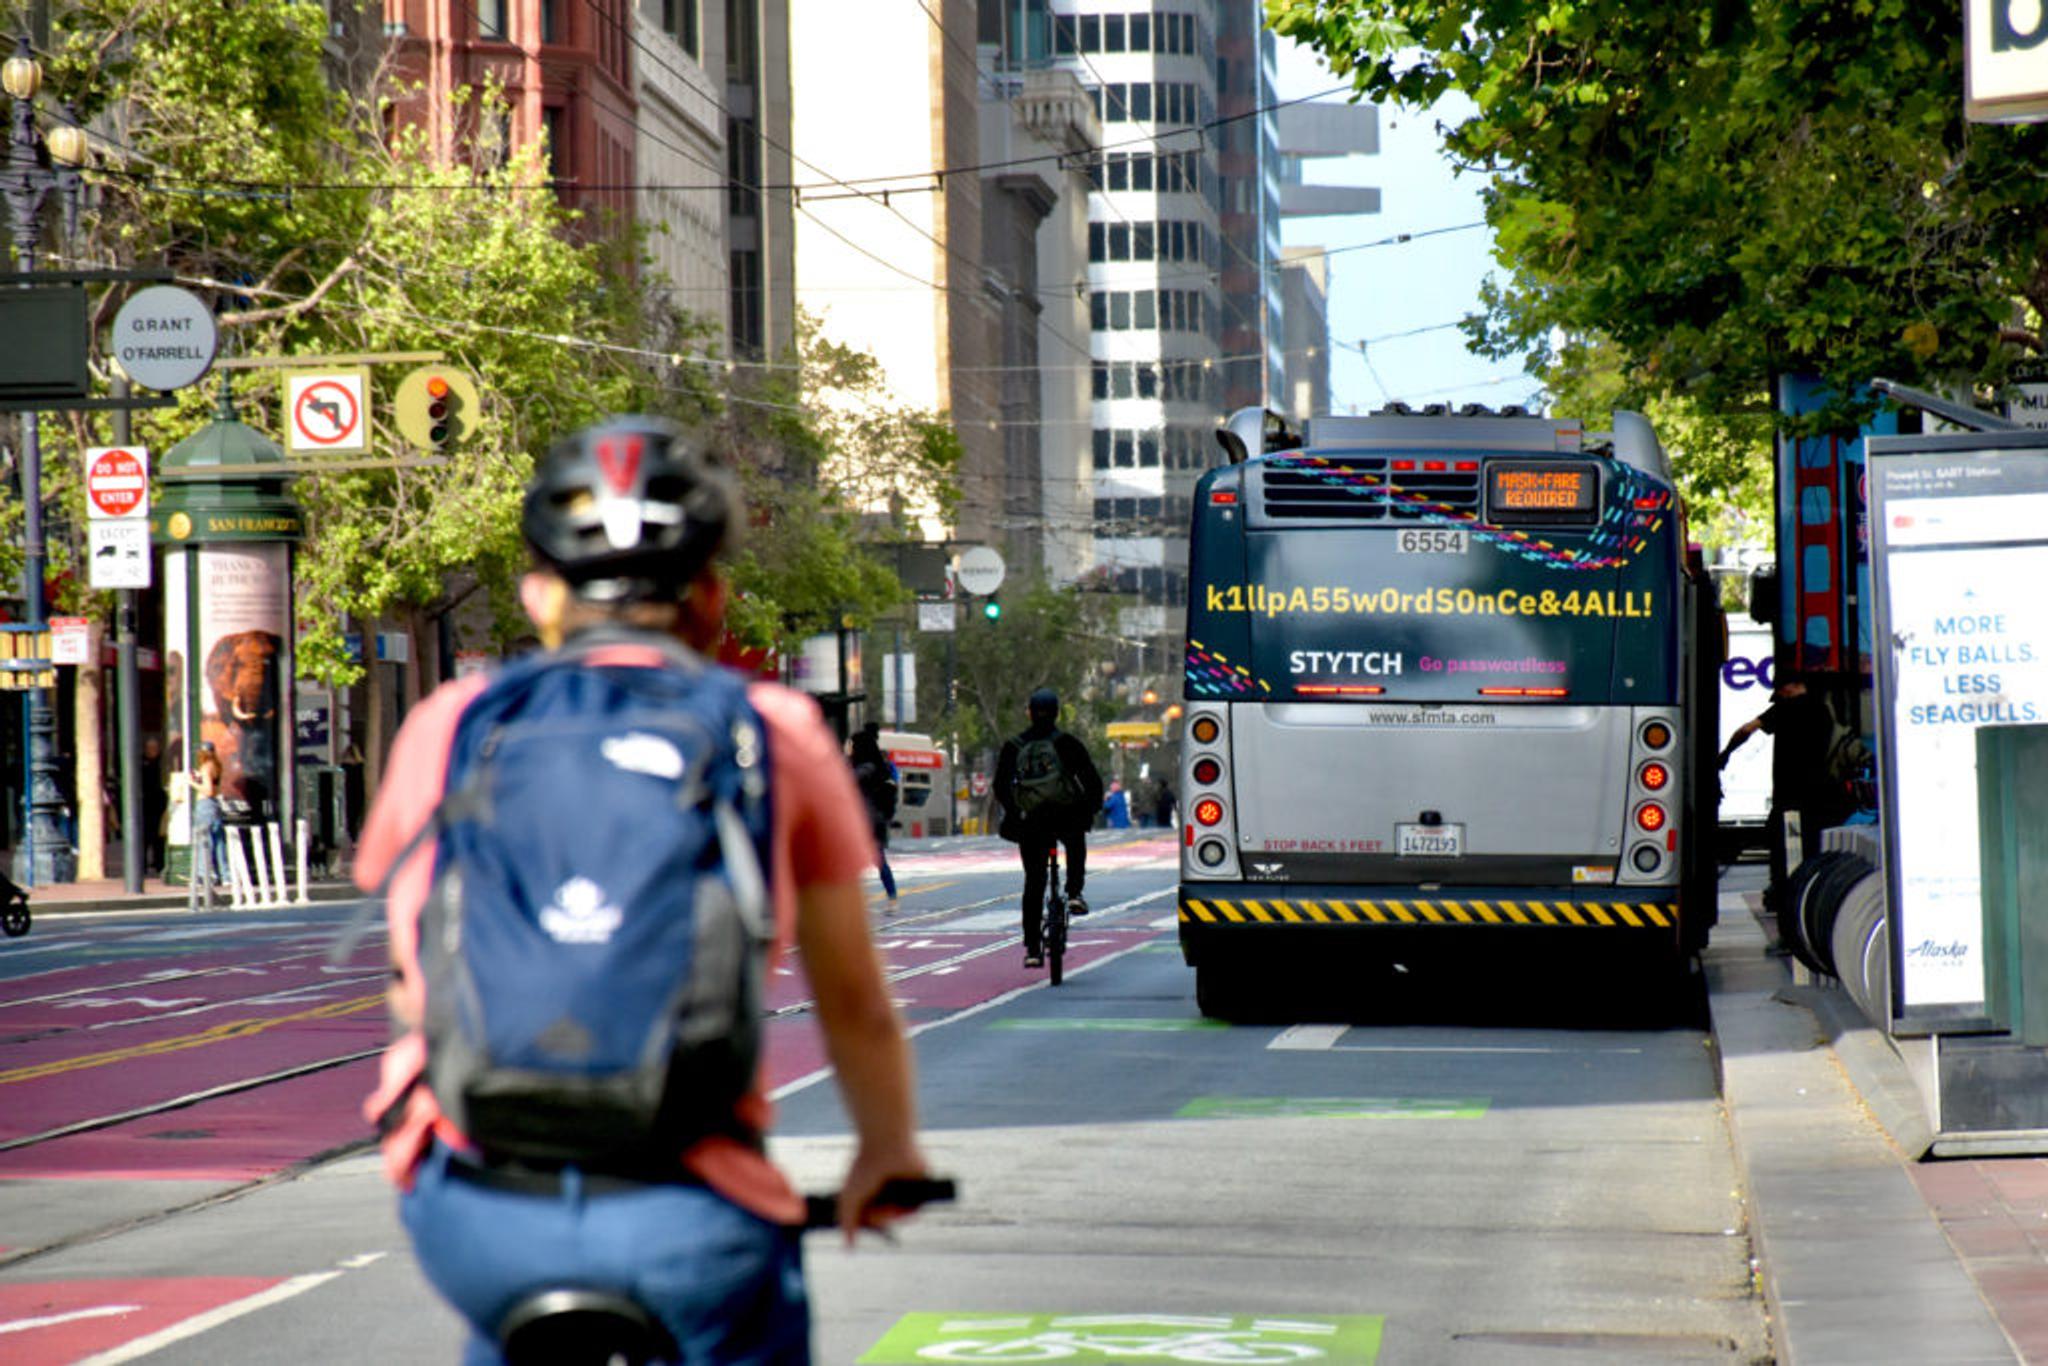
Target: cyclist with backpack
1050,790
589,858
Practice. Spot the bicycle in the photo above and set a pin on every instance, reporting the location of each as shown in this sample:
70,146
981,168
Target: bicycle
1052,923
14,912
570,1325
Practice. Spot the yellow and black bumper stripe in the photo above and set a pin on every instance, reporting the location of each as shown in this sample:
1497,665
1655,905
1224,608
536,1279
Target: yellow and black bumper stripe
1613,915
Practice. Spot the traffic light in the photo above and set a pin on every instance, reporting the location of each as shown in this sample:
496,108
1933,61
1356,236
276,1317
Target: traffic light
436,407
438,402
992,609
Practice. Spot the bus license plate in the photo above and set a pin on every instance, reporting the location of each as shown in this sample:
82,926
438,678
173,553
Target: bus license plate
1430,540
1429,841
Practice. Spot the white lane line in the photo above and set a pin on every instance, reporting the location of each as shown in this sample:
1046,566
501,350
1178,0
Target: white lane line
1316,1038
790,1088
211,1319
98,1311
1467,1048
361,1260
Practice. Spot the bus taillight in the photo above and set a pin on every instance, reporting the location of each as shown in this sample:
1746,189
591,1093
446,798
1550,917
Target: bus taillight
1654,776
1651,817
1656,735
1207,770
1208,811
1205,729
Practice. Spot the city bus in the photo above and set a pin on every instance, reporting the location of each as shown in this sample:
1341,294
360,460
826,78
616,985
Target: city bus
1451,696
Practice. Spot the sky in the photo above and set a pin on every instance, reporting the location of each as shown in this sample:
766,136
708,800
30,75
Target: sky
1419,284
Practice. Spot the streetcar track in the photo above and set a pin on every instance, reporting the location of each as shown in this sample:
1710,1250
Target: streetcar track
282,996
229,1088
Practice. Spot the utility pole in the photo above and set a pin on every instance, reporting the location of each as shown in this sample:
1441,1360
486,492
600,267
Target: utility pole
127,685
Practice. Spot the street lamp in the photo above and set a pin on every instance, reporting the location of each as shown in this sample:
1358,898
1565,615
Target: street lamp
33,168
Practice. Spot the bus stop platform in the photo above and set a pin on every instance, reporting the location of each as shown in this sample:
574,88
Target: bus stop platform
1864,1255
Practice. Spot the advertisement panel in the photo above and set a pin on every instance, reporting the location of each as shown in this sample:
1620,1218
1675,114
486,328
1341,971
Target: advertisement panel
244,660
1961,554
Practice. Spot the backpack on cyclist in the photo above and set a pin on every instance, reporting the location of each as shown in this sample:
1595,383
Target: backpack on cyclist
594,944
1043,782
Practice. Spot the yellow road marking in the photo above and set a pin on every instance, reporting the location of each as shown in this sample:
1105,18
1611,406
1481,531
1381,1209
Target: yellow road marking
220,1033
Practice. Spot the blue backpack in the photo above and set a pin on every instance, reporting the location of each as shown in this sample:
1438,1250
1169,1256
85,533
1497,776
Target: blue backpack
594,945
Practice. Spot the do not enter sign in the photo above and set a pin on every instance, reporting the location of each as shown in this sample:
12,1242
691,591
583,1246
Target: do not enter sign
117,481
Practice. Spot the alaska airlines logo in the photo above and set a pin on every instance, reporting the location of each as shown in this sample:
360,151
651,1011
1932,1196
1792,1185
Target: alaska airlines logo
581,914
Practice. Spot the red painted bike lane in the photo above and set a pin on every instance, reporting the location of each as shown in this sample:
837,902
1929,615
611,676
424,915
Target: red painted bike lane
51,1323
102,1040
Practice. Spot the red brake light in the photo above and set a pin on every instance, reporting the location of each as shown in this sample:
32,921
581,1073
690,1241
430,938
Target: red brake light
1208,811
1467,467
1434,466
1402,465
1651,817
1207,770
1222,497
1654,776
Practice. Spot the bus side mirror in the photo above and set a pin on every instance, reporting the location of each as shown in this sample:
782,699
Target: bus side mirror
1763,595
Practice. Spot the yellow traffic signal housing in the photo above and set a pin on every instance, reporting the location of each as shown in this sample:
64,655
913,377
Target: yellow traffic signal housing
436,407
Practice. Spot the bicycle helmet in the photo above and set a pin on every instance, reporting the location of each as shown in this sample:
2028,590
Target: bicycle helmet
627,510
1043,704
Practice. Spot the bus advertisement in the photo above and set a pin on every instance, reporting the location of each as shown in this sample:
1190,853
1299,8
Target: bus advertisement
1441,696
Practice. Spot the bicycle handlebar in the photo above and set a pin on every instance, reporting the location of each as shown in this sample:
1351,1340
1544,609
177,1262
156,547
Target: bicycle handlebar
898,1192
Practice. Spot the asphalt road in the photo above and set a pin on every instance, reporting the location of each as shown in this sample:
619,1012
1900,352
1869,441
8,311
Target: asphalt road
1137,1185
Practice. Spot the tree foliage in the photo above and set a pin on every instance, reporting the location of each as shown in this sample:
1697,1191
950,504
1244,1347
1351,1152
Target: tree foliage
316,223
1047,637
1711,195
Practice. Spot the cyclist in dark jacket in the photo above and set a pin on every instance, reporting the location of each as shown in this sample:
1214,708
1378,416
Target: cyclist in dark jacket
878,788
1050,790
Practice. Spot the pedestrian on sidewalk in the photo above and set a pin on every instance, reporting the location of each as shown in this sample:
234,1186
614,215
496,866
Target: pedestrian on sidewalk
879,789
1117,806
209,835
1803,726
156,804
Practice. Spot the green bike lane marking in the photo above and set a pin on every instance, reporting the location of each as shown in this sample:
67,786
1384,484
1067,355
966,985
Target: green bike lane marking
1334,1107
1133,1024
1116,1339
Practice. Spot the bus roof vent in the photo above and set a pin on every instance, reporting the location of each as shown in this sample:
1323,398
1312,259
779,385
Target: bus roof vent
1636,444
1366,488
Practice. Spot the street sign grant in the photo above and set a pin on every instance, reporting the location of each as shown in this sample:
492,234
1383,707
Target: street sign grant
165,338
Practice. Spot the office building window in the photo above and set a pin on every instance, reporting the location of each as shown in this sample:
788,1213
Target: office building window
1112,33
679,21
490,19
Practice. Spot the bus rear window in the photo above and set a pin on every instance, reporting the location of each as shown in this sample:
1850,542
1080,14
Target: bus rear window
1542,493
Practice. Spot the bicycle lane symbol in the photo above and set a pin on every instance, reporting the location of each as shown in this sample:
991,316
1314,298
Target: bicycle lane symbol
1121,1339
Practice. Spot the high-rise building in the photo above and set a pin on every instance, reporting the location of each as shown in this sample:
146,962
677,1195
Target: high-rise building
566,70
1038,136
1304,333
760,209
680,152
888,254
1156,302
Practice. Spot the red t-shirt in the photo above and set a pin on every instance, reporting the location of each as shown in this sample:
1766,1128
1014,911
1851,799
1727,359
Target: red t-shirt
819,836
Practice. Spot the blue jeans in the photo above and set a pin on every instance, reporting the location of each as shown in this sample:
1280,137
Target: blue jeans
207,826
728,1284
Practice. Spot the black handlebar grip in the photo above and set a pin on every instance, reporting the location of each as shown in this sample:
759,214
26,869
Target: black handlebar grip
898,1192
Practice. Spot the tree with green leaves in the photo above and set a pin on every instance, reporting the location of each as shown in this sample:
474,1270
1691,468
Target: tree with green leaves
1703,197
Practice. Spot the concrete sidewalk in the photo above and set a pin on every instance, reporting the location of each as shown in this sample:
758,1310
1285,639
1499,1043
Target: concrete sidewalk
1864,1256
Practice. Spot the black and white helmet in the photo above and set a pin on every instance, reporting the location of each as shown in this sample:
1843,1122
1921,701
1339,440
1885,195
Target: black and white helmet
628,510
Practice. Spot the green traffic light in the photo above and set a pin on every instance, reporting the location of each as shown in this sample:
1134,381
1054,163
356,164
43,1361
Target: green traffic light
992,609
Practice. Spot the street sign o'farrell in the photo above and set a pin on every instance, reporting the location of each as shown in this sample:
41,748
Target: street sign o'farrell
165,338
979,570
